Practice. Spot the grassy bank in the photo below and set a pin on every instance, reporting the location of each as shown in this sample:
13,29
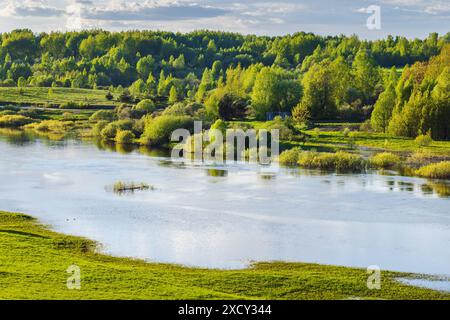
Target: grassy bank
336,140
34,260
54,96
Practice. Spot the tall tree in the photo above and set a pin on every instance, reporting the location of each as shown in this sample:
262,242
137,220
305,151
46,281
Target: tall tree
382,112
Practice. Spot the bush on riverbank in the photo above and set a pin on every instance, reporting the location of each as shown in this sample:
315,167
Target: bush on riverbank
98,127
14,121
109,132
340,161
51,126
384,160
124,137
423,140
158,131
100,115
439,170
290,157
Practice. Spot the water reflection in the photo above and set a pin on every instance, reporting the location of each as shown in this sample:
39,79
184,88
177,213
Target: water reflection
267,176
15,137
225,216
442,189
216,173
431,188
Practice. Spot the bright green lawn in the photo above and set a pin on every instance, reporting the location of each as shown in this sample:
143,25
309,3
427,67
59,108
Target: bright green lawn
328,138
375,140
40,96
33,263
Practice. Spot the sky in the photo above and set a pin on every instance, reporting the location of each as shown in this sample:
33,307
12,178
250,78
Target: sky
410,18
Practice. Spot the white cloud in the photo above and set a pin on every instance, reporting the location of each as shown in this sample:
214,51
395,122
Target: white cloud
438,8
30,8
149,10
425,6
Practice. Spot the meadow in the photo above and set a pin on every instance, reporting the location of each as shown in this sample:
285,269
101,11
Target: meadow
34,260
38,96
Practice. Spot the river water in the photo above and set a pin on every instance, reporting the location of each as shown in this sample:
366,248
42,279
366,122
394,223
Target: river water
227,216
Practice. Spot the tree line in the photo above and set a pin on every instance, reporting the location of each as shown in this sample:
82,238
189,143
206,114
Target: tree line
232,76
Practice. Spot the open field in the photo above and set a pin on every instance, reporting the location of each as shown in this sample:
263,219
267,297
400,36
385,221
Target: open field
40,96
34,260
380,141
327,136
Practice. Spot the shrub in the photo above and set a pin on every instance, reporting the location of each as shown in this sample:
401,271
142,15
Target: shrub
124,137
109,132
346,132
219,125
106,115
182,109
440,170
423,140
348,162
384,160
158,131
98,127
53,125
316,132
421,158
145,106
340,161
14,121
285,127
290,157
366,126
69,105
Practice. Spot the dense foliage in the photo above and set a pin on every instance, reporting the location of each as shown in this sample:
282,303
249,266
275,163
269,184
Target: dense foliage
218,75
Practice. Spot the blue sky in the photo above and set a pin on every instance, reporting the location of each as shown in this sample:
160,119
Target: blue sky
410,18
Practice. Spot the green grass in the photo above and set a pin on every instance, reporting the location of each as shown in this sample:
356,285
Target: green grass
336,140
439,170
40,96
330,137
34,260
384,160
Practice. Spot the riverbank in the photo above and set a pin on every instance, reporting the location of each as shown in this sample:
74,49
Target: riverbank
34,261
55,97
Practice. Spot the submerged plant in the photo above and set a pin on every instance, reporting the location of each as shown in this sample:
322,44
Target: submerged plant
121,187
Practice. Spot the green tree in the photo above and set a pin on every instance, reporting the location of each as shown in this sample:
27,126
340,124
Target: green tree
173,95
145,66
206,84
275,90
366,75
382,111
319,97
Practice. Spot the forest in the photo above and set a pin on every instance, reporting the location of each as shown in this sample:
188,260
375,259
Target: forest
394,85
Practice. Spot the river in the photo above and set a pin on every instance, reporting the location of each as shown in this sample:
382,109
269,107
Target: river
226,216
